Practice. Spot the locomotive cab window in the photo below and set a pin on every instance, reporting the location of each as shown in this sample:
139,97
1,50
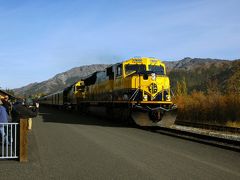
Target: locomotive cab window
80,88
110,73
77,88
119,70
134,68
159,70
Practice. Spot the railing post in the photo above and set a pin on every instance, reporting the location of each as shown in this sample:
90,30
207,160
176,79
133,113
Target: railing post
23,150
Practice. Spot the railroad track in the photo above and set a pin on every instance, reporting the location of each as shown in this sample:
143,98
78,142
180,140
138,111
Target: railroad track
208,126
225,143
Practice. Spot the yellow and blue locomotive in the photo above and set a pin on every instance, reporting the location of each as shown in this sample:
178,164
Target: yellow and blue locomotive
137,89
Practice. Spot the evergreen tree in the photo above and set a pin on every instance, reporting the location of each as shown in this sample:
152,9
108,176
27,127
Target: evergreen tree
9,91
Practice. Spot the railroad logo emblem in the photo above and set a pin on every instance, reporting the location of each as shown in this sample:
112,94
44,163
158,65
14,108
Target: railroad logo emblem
153,88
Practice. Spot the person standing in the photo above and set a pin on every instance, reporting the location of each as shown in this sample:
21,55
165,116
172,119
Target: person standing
3,119
33,106
22,111
8,106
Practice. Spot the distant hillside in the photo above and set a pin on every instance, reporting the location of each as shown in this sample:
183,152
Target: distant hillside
59,81
189,64
205,74
198,73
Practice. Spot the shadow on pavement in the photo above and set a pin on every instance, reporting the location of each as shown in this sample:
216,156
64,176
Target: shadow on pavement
54,115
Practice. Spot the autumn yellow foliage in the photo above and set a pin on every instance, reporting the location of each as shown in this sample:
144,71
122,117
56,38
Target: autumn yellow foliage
210,108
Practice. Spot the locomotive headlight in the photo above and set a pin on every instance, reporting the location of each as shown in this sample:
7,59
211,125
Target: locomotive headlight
153,76
125,97
145,97
168,98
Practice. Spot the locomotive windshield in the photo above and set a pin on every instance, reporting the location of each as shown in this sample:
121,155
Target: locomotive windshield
159,70
134,68
80,88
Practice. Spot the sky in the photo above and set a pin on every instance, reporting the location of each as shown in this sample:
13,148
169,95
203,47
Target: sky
41,38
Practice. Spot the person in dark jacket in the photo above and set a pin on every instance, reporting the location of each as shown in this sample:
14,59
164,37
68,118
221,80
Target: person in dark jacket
31,104
20,111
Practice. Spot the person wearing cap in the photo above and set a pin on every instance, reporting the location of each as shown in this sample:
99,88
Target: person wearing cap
3,119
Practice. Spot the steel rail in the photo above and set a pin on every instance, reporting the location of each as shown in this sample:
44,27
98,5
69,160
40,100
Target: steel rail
197,137
208,126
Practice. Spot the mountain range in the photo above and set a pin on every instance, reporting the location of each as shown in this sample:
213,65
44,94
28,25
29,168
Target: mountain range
59,81
197,72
